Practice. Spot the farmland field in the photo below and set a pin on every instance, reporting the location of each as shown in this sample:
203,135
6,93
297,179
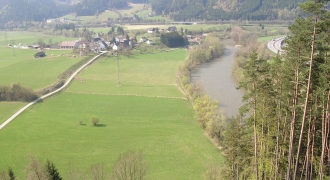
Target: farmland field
8,108
25,38
145,113
35,73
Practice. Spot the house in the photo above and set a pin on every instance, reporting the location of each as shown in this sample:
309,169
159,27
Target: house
172,29
34,46
205,34
83,44
191,36
51,21
40,54
69,45
115,47
97,44
120,38
149,42
151,30
143,39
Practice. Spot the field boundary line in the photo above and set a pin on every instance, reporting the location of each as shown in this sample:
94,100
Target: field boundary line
136,95
51,93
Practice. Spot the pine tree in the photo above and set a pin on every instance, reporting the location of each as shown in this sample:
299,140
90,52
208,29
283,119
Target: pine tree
51,171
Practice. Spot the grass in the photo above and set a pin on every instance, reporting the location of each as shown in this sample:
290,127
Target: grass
157,68
164,129
26,38
32,72
8,108
145,113
267,38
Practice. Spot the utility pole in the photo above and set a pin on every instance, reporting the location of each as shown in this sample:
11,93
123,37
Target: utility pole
6,37
14,53
118,80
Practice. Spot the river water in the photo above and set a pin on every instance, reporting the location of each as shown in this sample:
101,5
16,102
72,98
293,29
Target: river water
218,82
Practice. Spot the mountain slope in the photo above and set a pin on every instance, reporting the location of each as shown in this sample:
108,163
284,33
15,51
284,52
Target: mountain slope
30,10
181,10
178,10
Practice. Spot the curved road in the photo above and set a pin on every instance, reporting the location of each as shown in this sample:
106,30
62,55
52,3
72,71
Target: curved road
51,93
275,45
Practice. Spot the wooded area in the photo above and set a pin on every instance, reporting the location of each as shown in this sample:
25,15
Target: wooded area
283,130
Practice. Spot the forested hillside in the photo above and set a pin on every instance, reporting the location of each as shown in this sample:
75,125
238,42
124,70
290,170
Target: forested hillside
30,10
181,10
178,10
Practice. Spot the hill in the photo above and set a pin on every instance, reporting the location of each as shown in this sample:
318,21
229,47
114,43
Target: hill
33,10
180,10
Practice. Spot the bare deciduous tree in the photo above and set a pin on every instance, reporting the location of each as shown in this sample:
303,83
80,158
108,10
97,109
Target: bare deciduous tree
97,172
34,170
130,165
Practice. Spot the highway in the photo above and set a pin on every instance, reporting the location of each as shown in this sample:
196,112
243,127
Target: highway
275,45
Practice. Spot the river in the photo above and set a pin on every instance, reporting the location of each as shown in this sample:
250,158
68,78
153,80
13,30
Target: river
218,82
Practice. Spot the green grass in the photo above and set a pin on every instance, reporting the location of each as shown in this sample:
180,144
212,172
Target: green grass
27,38
266,38
8,108
146,113
164,129
146,69
32,72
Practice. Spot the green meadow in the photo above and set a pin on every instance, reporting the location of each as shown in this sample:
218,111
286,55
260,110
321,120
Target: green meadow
146,112
8,108
27,38
19,66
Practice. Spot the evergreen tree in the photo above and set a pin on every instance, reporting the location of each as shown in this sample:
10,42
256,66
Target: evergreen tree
51,171
11,174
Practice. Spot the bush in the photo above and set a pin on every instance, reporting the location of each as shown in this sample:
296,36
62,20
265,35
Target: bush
94,120
17,93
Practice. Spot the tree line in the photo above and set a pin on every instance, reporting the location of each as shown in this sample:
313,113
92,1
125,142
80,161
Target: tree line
207,110
130,165
282,132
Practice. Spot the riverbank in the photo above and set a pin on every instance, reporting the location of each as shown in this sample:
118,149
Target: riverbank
217,80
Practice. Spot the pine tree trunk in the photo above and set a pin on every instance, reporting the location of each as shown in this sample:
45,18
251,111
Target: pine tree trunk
325,135
278,134
306,99
293,122
255,133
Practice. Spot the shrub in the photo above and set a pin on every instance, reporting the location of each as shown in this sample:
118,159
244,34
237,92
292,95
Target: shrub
94,120
17,93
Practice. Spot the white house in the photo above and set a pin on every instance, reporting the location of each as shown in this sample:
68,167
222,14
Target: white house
143,39
115,47
149,42
151,30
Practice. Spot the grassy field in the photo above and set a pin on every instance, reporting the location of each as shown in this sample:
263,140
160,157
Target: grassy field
146,113
8,108
267,38
26,38
32,72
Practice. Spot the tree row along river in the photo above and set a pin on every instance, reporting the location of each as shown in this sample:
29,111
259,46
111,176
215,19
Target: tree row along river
218,82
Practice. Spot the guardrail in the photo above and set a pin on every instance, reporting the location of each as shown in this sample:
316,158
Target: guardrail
275,45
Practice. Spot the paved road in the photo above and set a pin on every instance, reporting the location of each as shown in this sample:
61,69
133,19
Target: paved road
51,93
275,45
